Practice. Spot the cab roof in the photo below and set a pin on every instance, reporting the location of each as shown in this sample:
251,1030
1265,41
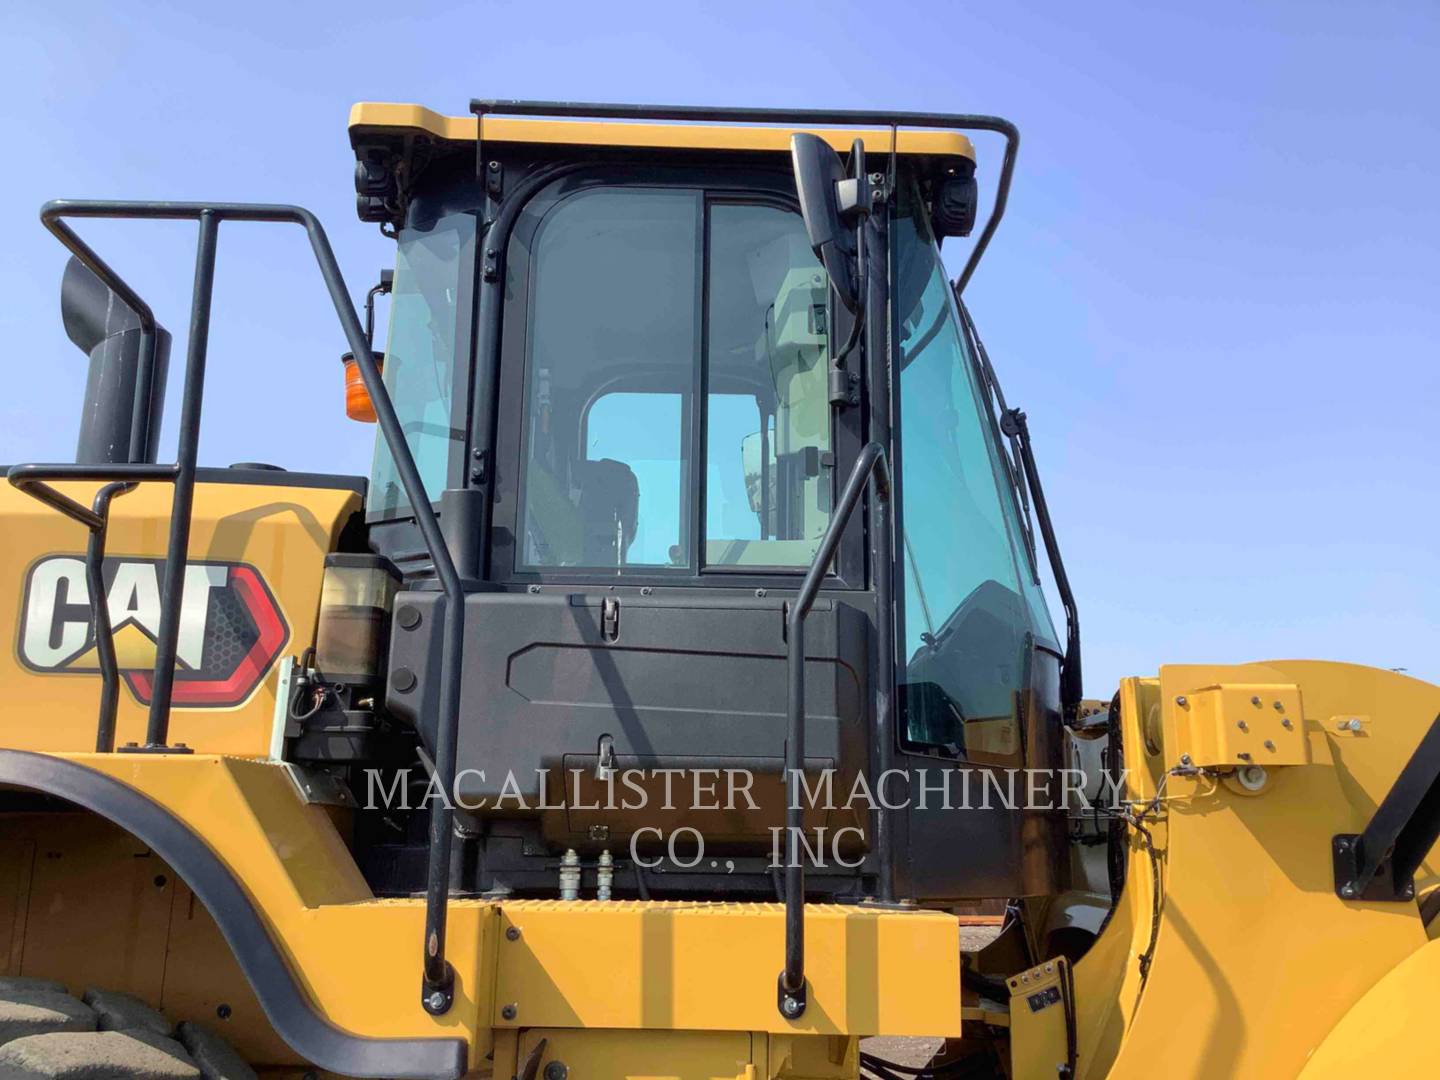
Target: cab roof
376,121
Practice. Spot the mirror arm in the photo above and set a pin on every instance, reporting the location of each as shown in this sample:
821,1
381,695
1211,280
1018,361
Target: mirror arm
845,388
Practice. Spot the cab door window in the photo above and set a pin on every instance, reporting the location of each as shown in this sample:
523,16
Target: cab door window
676,413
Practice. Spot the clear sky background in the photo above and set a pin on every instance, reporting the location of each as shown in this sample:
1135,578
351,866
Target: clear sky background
1215,291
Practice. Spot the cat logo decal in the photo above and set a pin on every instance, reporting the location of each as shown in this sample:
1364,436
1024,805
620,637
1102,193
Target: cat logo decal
231,628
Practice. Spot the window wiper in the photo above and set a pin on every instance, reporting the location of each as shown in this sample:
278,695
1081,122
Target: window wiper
1015,428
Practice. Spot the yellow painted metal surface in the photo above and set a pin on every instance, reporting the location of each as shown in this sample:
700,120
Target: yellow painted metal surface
356,956
1039,1029
1391,1031
282,533
676,1055
371,117
619,966
602,1055
1255,959
1241,724
713,966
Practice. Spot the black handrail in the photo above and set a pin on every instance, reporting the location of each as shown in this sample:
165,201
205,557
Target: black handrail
871,466
483,107
437,986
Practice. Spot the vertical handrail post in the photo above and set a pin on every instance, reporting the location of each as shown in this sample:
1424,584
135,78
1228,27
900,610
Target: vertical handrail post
100,617
870,467
171,592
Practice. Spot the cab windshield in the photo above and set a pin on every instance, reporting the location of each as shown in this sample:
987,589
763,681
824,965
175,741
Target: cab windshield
972,606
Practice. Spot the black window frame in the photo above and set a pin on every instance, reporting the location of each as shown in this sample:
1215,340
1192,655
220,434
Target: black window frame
714,185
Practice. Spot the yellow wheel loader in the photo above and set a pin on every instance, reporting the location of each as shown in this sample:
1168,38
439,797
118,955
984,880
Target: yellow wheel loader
676,680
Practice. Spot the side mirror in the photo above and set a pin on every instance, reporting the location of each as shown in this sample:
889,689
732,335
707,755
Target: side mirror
830,202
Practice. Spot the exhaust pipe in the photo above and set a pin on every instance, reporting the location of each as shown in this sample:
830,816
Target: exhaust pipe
125,387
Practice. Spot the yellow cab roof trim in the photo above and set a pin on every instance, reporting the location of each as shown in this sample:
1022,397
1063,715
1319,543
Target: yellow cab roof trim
377,117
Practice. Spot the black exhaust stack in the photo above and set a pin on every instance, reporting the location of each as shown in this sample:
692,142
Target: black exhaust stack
120,417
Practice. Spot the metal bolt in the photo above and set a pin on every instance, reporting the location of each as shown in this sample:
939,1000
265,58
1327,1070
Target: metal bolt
1255,701
1353,724
533,589
1243,726
1269,745
1049,968
556,1070
436,1001
790,1006
512,933
760,593
494,166
1182,702
1185,760
1343,844
403,680
1286,724
1347,890
408,617
509,1012
646,590
1408,891
1279,707
1243,756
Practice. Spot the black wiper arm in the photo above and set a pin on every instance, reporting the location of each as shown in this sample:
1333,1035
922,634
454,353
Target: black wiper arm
1014,427
1013,424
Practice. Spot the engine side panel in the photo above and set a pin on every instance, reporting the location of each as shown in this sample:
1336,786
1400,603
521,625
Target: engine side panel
252,592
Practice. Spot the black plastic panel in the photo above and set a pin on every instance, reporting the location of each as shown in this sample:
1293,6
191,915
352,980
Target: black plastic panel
677,683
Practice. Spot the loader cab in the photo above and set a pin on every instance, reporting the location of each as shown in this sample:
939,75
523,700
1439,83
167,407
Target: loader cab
621,367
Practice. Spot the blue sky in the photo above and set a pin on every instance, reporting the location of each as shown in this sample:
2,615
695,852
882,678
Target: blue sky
1215,291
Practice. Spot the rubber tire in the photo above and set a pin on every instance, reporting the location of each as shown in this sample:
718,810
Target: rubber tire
59,1054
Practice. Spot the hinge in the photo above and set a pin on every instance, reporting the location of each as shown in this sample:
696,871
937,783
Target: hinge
495,180
491,268
610,618
844,387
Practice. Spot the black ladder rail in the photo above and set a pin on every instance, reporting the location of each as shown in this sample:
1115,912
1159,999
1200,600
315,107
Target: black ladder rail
30,479
870,467
437,985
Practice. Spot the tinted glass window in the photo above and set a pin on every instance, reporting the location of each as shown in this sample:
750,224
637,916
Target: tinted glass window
613,331
637,298
965,620
768,460
419,368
